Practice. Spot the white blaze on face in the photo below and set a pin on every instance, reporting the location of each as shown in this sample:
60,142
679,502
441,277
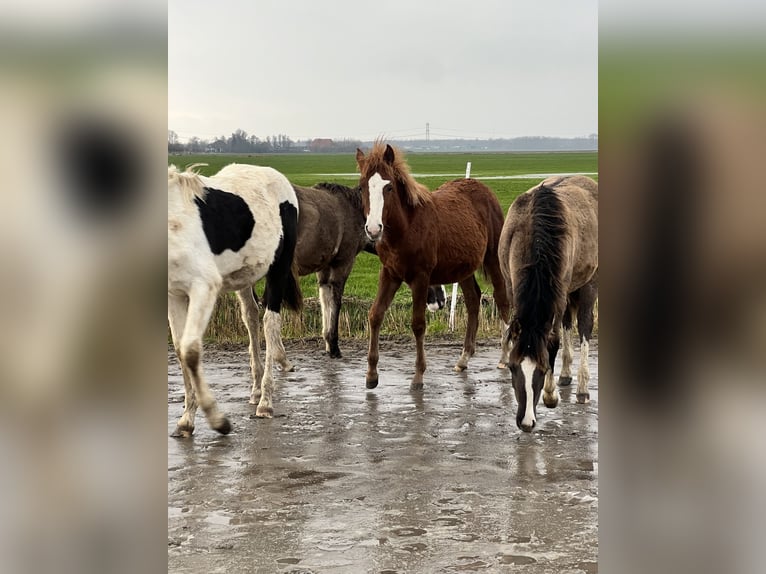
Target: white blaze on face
528,368
374,224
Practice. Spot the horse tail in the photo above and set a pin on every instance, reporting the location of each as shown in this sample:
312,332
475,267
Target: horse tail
282,279
293,297
540,291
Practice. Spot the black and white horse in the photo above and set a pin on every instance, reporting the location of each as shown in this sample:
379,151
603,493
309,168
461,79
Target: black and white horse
436,298
225,232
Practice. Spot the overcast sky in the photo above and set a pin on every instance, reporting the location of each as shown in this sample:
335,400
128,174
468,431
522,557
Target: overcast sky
364,69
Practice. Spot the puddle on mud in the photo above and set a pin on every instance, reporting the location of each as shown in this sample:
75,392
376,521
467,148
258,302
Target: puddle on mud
349,480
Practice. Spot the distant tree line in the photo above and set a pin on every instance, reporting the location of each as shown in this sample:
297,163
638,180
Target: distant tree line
240,142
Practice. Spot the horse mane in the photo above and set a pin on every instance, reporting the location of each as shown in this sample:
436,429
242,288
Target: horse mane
541,291
188,181
351,194
417,193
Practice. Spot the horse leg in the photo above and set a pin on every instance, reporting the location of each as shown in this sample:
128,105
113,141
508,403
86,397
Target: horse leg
502,295
272,329
331,297
202,298
339,285
387,288
325,301
588,295
565,378
419,290
177,318
249,309
550,392
506,343
472,297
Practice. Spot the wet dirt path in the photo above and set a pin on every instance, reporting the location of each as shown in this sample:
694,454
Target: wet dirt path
347,480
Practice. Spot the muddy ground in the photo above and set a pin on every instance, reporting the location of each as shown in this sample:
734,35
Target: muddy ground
348,480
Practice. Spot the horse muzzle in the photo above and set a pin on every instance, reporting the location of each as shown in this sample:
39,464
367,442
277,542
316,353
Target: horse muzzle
375,233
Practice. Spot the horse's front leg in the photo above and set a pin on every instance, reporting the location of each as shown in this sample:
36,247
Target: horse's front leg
550,391
249,310
565,378
326,303
502,293
419,289
331,299
387,288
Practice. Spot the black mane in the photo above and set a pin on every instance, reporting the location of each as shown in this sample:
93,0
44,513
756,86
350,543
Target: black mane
352,194
540,291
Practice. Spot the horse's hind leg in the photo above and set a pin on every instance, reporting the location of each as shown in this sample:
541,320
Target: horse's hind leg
472,297
177,319
202,298
565,378
272,328
249,310
588,295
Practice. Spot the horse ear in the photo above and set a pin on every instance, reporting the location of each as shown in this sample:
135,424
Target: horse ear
388,155
359,157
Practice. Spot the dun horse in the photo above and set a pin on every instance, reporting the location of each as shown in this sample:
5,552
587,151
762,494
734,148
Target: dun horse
549,257
425,238
330,236
224,233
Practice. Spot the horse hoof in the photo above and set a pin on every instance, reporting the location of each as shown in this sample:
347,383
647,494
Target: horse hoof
416,386
287,368
583,398
335,354
182,432
372,383
550,403
460,368
502,365
565,381
264,412
224,427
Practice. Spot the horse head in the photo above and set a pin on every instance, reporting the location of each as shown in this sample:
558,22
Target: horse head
529,363
376,186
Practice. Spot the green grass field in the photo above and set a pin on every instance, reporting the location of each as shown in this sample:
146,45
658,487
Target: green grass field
308,169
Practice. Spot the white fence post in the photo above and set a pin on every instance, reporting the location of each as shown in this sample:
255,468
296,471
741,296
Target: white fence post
453,303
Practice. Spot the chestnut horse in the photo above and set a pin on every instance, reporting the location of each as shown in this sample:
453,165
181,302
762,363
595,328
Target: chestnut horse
330,236
549,257
423,239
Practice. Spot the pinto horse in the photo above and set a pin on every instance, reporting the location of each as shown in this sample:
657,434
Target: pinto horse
225,232
549,258
423,239
436,299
